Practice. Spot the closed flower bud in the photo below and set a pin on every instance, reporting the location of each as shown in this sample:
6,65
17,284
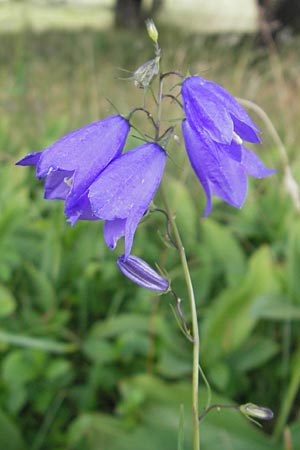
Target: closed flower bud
256,412
152,30
138,271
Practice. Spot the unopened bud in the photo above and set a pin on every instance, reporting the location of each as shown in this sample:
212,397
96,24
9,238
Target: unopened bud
138,271
256,412
152,30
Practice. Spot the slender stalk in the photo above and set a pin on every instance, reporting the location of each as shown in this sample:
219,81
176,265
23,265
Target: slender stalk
195,329
191,296
218,407
289,398
159,105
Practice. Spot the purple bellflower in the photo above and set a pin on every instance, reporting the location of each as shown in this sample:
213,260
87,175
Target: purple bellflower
214,130
71,164
138,271
122,193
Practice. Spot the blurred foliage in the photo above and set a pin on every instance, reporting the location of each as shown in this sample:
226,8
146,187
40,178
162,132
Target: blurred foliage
90,361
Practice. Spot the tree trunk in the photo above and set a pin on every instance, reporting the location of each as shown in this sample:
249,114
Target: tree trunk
128,13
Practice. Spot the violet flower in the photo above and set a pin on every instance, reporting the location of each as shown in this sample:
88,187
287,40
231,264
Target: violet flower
71,164
210,108
138,271
213,131
219,174
123,191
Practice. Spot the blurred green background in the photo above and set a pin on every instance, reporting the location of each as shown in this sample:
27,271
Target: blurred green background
89,361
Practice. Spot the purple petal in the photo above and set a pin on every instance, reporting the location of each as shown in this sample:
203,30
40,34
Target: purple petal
232,184
126,187
230,103
217,172
30,160
113,231
233,150
138,271
203,109
245,132
81,211
57,185
86,151
254,166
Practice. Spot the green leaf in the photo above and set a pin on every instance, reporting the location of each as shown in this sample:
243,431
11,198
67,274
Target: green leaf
10,436
275,307
180,444
58,368
294,431
99,350
230,318
118,325
186,215
222,250
7,302
293,260
254,353
158,422
18,368
43,292
46,345
219,375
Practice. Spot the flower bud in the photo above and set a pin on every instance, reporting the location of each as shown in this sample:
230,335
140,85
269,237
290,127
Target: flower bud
256,412
138,271
152,30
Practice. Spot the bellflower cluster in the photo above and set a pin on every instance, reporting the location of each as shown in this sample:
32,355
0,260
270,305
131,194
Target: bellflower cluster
88,170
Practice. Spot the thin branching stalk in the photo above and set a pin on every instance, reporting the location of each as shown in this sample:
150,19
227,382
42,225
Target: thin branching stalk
188,281
195,329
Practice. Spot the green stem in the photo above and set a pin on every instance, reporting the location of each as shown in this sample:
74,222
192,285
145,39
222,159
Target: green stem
187,276
195,329
218,407
159,106
289,398
208,388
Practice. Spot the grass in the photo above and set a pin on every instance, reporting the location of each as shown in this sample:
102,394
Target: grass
86,356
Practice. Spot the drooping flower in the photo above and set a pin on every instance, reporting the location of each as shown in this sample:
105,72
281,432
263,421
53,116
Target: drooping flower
138,271
71,164
214,130
220,173
122,193
210,108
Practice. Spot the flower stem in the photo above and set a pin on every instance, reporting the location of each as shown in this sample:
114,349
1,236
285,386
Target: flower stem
159,105
195,329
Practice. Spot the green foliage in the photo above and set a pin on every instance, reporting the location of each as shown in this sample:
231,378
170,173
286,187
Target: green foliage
90,361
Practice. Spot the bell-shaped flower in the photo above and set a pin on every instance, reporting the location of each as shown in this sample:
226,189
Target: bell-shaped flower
123,191
218,172
71,164
138,271
209,107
